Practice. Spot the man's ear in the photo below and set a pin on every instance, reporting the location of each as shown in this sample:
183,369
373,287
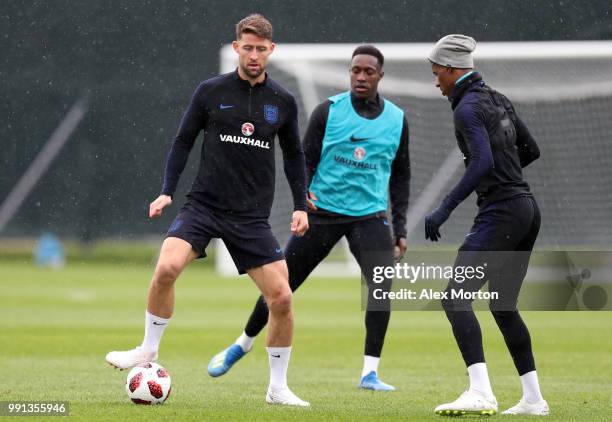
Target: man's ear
235,46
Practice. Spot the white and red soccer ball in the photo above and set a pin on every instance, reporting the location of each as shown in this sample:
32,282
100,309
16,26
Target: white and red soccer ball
148,383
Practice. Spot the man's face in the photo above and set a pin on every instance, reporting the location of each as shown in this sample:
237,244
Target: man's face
365,75
445,79
253,53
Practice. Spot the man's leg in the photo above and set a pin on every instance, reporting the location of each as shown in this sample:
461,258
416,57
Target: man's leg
508,283
273,282
303,254
479,398
174,256
513,328
483,237
516,335
371,244
496,230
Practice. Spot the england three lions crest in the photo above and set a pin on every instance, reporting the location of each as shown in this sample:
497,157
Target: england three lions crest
271,113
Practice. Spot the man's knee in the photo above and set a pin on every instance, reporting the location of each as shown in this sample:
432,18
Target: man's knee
175,254
504,319
279,301
447,305
166,273
456,305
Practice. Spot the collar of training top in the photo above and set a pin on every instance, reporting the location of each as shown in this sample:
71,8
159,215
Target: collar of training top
246,83
364,102
463,86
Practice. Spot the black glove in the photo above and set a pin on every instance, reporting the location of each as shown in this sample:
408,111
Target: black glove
434,220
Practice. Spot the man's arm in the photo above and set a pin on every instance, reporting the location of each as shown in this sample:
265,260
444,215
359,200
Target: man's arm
527,147
295,168
469,121
313,139
399,184
192,123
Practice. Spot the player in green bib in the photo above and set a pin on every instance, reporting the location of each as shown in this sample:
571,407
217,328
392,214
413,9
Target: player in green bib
357,160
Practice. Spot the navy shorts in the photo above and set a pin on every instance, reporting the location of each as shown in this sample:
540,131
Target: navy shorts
250,242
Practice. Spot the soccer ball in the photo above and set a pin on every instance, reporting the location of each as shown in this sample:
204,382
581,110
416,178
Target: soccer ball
148,383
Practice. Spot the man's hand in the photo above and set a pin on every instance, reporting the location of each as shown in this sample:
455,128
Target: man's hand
400,248
156,207
299,224
309,200
433,222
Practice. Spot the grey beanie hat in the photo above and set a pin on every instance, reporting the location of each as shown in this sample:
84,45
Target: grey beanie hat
454,51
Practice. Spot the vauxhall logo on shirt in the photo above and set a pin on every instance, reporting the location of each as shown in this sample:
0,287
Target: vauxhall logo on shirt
247,129
358,154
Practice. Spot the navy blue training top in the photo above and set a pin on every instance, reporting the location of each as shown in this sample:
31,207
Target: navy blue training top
237,166
494,141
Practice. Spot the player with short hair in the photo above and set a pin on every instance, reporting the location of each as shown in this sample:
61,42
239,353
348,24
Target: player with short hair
496,145
356,148
240,113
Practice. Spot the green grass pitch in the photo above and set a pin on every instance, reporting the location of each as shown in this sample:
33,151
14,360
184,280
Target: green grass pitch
56,327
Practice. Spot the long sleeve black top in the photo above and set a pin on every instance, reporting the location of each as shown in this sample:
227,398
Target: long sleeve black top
240,123
495,143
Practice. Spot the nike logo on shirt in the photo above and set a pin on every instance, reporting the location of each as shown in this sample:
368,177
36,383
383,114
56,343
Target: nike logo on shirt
224,106
354,139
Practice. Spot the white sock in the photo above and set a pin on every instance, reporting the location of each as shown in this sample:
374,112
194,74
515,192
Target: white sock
479,379
279,362
154,328
531,387
245,342
370,363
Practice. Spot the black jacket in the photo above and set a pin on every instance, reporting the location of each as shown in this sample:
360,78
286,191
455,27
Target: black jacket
494,141
240,122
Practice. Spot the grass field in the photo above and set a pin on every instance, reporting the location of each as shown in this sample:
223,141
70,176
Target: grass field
56,327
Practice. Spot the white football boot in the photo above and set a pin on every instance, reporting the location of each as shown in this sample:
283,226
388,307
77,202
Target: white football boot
469,403
129,358
284,396
523,408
